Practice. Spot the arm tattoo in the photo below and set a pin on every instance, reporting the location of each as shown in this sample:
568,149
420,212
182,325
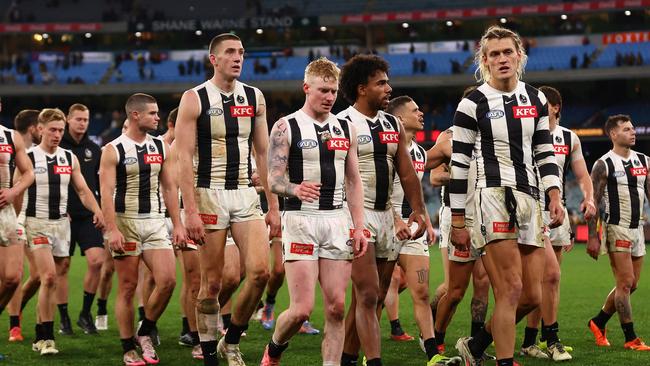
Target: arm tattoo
479,310
278,160
599,180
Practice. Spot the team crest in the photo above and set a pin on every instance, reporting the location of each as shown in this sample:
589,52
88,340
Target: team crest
558,139
336,130
2,139
240,99
88,153
152,149
386,125
419,156
523,98
636,162
61,160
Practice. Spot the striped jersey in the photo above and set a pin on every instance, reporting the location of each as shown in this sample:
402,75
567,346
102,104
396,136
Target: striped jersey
471,189
7,155
509,134
137,184
624,193
47,197
317,153
400,203
563,141
377,141
224,135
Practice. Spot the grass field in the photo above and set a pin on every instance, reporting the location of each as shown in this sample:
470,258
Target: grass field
585,284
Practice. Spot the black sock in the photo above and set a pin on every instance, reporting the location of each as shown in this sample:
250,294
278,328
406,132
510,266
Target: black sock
434,307
478,344
505,362
23,303
146,327
226,320
209,350
349,360
63,310
430,347
549,332
270,299
374,362
628,330
48,330
186,326
233,335
140,313
275,350
2,308
101,307
128,344
530,336
440,337
87,303
38,330
476,326
601,319
396,327
14,321
195,338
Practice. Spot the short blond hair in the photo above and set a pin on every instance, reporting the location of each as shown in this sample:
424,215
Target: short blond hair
322,68
482,73
51,114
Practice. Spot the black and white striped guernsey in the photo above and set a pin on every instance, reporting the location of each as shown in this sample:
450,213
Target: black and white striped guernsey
624,194
137,183
399,201
563,141
7,156
377,142
317,153
224,135
47,197
509,135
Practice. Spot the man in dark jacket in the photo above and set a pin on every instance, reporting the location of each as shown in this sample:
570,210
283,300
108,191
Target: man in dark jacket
83,231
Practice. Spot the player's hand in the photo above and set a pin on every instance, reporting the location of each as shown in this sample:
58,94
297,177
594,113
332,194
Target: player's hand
557,213
255,179
194,227
307,191
98,220
360,245
588,209
593,247
420,219
116,241
569,247
460,238
272,220
431,234
7,196
179,237
402,231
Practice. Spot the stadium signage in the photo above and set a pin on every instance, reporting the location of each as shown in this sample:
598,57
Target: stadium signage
191,25
51,27
626,37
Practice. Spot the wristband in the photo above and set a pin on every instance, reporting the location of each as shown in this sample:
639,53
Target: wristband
458,227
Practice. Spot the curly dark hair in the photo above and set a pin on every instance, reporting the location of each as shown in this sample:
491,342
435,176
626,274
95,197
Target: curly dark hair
357,71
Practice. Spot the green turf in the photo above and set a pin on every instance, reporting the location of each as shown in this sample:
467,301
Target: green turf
585,284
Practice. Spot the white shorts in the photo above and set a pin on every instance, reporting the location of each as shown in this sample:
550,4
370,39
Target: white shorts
52,233
621,239
444,220
492,217
310,236
382,233
419,246
8,226
219,207
189,245
561,235
476,249
142,234
229,239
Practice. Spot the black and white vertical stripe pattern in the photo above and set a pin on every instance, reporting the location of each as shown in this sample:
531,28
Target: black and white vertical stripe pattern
399,201
137,184
624,194
224,136
377,142
317,153
47,197
509,134
7,157
563,142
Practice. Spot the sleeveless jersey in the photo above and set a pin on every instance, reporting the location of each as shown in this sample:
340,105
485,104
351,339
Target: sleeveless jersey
7,156
563,141
400,203
47,197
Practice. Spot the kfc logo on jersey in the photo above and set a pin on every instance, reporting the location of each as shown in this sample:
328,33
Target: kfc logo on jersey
524,112
389,137
338,144
242,111
6,148
153,159
502,227
639,172
418,165
561,149
66,169
299,248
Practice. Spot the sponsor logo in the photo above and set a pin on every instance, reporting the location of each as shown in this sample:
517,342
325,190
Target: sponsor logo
626,244
208,219
366,233
461,254
338,144
618,174
307,144
418,165
65,169
6,148
524,112
374,127
363,139
130,160
639,172
130,246
389,137
299,248
40,240
523,98
153,159
494,114
502,227
19,232
242,111
240,99
337,131
561,149
214,112
40,170
509,101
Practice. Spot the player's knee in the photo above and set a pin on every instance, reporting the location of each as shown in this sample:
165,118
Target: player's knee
166,284
512,290
12,281
368,297
481,284
95,265
278,272
48,279
552,278
455,295
207,306
626,282
259,278
63,266
335,310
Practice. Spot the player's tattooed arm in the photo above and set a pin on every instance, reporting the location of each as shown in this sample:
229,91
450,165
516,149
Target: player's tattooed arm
278,159
599,181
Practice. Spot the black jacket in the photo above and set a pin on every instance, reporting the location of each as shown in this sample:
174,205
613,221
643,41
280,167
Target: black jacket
88,154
